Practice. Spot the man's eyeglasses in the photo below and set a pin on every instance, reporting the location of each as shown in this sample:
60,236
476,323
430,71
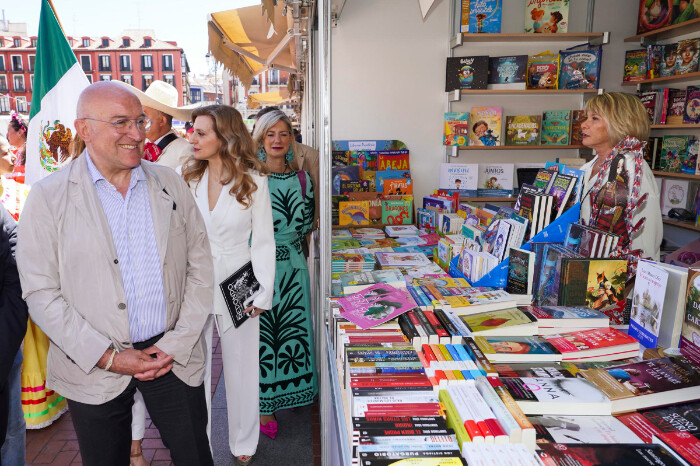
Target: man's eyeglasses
123,125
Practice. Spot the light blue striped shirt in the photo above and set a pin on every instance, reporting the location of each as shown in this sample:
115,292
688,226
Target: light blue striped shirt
131,222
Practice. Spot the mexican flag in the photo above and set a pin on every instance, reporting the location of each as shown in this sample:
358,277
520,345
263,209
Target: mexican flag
58,81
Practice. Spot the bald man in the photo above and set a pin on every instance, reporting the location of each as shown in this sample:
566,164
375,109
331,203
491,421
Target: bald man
116,268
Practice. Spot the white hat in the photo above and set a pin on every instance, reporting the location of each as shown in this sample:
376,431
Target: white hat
163,97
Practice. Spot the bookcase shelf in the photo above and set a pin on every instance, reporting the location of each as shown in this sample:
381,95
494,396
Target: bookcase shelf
677,77
592,37
694,126
675,175
518,147
488,199
668,32
531,91
680,224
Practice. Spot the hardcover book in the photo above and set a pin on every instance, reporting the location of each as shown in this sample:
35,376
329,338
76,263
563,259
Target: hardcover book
508,72
456,129
375,305
675,195
595,283
350,173
687,56
354,186
400,186
576,136
388,160
654,15
655,54
580,69
676,107
648,303
374,200
635,65
546,16
467,73
556,126
689,162
496,179
523,130
354,213
485,127
365,159
239,290
673,149
691,114
460,177
690,333
397,212
667,67
485,16
389,174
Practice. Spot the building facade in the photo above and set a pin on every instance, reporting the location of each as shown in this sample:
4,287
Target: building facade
135,57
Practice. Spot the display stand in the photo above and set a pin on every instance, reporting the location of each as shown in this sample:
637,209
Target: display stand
554,233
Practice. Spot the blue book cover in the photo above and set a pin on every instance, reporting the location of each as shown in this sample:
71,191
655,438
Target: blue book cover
390,175
485,16
580,69
508,72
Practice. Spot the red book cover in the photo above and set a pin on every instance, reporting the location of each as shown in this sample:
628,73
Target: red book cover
569,344
431,239
393,162
436,324
684,444
670,419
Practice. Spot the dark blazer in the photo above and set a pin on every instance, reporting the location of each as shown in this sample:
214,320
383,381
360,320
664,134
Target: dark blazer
13,309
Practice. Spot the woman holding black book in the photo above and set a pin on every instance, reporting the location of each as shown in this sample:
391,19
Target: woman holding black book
229,184
287,366
620,194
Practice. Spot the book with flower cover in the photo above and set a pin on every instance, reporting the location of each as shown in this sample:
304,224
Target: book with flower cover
648,384
375,305
599,344
593,454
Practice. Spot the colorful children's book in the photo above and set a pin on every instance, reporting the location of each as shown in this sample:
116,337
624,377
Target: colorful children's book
508,72
495,179
375,305
397,212
485,16
690,333
579,68
556,126
354,213
687,56
667,67
456,129
689,163
350,173
648,303
521,271
351,186
654,15
691,115
462,177
401,260
389,175
676,107
595,283
543,70
655,53
673,150
398,186
561,189
635,65
393,160
675,195
485,126
523,130
467,73
374,200
546,16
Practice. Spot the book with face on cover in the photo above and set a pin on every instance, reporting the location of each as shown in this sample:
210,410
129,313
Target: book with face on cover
461,177
546,16
496,179
557,396
485,126
517,349
456,132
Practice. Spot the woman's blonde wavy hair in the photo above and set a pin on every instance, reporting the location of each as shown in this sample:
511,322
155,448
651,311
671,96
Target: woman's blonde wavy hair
267,121
238,155
623,113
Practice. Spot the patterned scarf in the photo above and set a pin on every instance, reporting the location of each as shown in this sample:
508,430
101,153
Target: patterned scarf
634,201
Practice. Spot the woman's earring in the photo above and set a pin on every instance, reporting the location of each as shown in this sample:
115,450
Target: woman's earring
289,156
262,155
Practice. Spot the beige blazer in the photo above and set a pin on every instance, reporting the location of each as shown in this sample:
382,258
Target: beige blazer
176,153
73,286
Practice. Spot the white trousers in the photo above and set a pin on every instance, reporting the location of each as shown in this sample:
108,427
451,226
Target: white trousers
240,349
138,411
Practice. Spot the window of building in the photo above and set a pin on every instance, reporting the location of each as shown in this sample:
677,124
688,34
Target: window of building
4,104
274,77
167,63
146,62
196,95
32,62
21,104
17,63
34,41
86,42
105,42
255,81
147,42
126,42
85,62
124,62
3,83
17,42
126,78
147,79
89,78
105,63
2,63
2,42
18,81
170,79
105,77
31,82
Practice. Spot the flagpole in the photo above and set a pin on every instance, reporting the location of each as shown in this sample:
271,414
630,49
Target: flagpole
53,8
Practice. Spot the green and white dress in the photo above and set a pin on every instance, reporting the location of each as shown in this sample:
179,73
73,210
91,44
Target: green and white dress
287,366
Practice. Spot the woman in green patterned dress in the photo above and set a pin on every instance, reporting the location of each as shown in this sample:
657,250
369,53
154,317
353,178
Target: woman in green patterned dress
287,366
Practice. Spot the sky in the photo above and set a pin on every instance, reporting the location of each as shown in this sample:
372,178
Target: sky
172,20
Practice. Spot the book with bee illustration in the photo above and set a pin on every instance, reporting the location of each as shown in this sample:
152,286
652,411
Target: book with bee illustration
556,127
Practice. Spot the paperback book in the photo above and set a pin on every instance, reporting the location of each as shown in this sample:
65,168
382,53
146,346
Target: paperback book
523,130
595,283
495,179
456,129
546,16
601,344
485,16
691,114
485,127
517,349
648,303
559,454
666,420
467,73
557,396
375,305
508,72
459,177
635,65
504,322
690,333
397,212
556,126
521,271
582,430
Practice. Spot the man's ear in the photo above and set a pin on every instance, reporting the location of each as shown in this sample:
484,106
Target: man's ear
83,129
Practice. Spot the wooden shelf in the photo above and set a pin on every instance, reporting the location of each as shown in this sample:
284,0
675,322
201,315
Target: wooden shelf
675,175
371,225
518,147
533,37
676,77
668,31
695,126
488,199
679,224
530,91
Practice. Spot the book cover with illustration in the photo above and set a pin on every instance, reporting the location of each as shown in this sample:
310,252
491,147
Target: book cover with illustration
673,149
495,179
508,72
667,67
521,269
556,126
666,420
592,454
375,305
676,107
397,212
654,14
689,163
485,126
485,16
523,130
576,136
394,160
580,69
690,332
562,188
460,177
353,213
456,129
675,195
648,303
687,56
493,322
352,186
546,16
401,259
691,114
635,66
380,176
399,186
594,283
542,70
365,159
582,429
374,200
517,349
350,173
467,73
600,341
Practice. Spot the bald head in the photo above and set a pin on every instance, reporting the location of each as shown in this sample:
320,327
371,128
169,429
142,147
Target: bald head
98,95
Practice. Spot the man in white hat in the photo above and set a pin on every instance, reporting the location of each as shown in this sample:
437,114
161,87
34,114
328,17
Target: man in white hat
160,106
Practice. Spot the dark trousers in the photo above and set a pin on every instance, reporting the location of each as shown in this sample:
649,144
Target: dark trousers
177,410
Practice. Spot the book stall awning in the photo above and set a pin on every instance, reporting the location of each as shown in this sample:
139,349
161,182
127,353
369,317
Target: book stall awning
268,98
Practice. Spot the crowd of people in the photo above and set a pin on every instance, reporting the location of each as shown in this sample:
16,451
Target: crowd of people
119,260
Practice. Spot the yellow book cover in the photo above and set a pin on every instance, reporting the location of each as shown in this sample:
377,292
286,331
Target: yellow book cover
496,319
353,213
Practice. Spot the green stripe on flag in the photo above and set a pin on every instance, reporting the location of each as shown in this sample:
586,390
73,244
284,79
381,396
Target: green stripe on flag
54,56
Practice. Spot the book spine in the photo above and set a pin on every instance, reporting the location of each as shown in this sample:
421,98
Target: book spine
453,420
442,334
489,418
455,336
419,328
465,415
419,302
409,330
432,334
527,429
499,410
479,357
458,323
